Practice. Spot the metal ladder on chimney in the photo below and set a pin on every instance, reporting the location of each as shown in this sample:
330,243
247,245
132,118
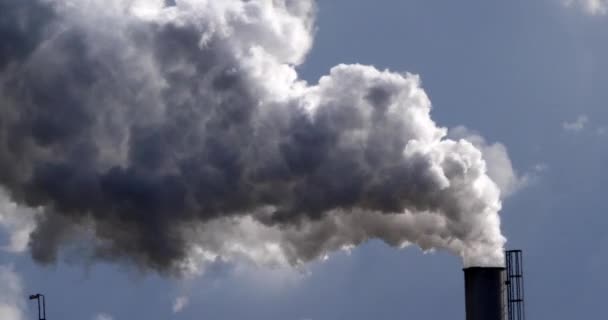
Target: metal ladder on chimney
514,284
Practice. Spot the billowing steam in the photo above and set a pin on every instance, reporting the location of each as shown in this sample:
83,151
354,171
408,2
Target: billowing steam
176,132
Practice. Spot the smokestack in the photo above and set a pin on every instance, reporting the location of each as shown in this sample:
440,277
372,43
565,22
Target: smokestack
484,293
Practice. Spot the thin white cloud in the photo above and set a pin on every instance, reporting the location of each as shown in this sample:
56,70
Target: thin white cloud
11,294
180,303
541,167
577,125
103,316
591,7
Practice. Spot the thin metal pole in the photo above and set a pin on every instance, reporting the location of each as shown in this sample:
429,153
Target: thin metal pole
43,307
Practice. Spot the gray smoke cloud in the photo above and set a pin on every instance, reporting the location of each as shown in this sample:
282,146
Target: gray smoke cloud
178,132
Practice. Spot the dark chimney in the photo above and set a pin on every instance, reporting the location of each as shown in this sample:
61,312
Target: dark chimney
484,293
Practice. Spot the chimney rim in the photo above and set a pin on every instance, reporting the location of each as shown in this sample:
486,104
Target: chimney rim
483,268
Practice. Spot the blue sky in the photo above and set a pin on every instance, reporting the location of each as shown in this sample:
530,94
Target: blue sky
531,75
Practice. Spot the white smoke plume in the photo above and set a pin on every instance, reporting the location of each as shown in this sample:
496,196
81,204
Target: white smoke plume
11,294
17,222
178,132
499,166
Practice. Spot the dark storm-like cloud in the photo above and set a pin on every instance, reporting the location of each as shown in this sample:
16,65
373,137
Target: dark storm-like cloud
22,28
